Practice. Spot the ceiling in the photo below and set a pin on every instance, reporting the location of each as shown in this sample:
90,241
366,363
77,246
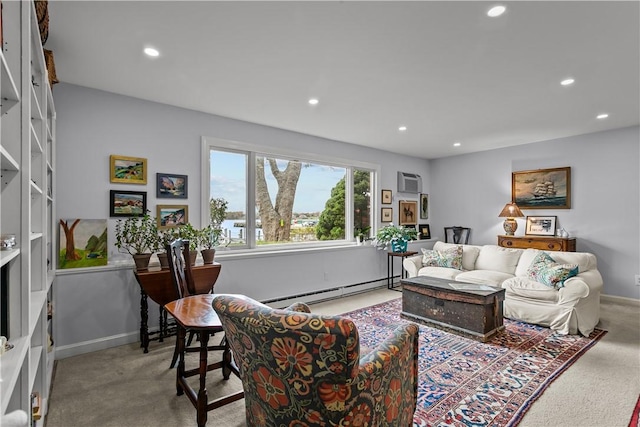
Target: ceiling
445,70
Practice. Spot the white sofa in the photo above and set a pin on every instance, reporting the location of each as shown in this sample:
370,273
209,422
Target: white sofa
568,310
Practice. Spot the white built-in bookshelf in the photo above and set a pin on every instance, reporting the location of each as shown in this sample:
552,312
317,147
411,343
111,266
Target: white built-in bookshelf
27,163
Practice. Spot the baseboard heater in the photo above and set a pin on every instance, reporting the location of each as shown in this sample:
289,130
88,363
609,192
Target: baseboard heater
326,294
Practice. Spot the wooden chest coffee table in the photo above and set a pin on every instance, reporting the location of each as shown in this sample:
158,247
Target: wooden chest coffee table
473,310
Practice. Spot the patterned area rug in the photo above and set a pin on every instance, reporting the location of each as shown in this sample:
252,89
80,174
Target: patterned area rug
463,382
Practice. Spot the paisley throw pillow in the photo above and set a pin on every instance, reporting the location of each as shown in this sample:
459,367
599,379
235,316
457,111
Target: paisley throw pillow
546,270
449,258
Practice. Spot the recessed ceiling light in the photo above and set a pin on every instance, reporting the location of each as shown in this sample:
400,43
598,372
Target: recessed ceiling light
402,128
602,116
456,144
567,82
313,101
496,11
149,51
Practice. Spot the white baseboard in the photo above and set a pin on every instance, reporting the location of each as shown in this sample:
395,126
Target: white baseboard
76,349
620,300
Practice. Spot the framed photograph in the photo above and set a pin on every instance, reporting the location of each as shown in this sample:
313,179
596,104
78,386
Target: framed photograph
425,231
171,186
541,226
128,170
127,203
424,206
387,215
386,197
408,212
542,188
172,215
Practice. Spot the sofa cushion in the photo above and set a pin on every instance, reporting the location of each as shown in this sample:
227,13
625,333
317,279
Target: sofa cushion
547,271
496,258
449,258
469,253
585,261
483,277
439,272
530,289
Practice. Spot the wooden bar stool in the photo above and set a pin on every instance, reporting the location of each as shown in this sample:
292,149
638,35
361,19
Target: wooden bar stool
195,313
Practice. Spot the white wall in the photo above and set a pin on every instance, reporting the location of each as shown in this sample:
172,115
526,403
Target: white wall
472,189
100,307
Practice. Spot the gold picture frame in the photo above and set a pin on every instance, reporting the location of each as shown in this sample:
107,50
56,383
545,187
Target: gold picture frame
168,216
542,188
128,170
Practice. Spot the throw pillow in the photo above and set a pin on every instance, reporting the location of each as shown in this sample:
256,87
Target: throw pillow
449,258
547,271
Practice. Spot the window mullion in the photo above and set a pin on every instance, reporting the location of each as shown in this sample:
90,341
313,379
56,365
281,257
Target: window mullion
349,205
250,223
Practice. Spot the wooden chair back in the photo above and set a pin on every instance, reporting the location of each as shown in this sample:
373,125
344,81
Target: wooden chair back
180,268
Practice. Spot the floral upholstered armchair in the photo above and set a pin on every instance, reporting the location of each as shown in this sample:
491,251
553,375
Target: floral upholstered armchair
303,369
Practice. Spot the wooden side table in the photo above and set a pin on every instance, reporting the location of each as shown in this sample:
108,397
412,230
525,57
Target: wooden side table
390,257
157,284
195,313
543,243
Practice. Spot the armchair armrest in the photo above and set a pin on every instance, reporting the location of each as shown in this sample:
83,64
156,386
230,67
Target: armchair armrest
393,367
299,307
412,265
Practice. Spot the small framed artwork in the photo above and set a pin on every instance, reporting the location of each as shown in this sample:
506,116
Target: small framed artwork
127,203
425,231
542,188
171,186
128,170
387,215
83,243
541,226
386,197
424,206
408,212
172,215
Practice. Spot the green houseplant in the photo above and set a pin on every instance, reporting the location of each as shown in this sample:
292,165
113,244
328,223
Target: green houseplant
187,232
208,238
165,236
137,236
395,236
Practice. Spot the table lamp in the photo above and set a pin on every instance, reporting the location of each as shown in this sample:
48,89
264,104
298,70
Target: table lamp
511,211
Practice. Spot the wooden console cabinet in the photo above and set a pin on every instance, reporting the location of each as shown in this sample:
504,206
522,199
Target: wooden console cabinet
543,243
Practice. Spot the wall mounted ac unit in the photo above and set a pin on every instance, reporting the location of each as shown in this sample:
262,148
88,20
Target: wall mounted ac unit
409,183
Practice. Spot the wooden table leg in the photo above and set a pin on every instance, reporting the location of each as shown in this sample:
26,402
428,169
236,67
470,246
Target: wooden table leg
144,317
181,333
203,399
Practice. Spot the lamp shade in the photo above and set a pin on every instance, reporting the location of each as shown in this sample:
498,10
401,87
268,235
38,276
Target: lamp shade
511,210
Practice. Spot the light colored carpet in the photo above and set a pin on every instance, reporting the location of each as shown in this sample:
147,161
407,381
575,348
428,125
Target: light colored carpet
122,386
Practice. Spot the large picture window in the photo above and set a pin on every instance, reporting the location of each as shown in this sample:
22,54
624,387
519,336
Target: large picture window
282,198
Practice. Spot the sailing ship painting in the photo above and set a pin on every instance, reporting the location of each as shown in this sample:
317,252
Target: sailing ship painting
542,188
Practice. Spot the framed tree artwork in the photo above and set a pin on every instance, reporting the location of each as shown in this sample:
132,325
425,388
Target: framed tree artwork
408,212
424,206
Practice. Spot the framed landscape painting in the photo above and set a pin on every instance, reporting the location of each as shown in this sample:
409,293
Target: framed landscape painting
83,243
542,188
128,170
171,186
172,215
127,203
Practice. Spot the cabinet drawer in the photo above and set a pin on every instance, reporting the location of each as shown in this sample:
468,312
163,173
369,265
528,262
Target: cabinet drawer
541,243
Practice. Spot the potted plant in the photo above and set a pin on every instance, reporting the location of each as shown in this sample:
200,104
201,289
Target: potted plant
137,236
361,234
187,232
395,236
165,237
208,239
